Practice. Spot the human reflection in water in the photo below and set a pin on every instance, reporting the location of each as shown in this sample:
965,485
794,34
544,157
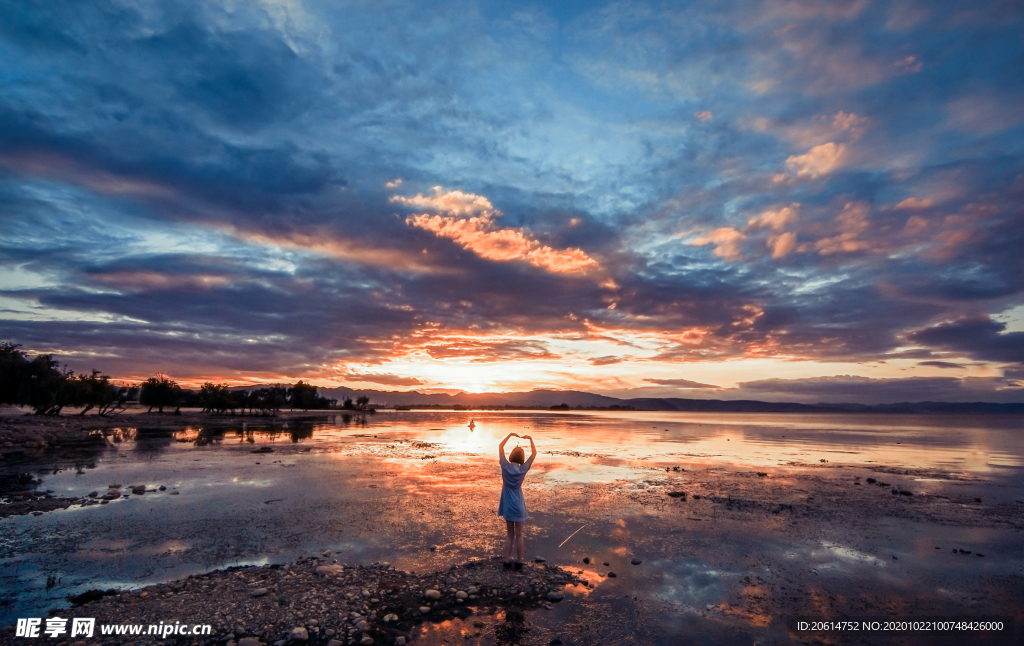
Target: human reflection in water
512,506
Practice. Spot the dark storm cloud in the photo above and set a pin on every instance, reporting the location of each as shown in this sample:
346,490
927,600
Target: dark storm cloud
197,187
978,337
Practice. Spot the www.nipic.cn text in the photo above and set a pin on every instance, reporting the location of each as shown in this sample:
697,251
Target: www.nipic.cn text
86,627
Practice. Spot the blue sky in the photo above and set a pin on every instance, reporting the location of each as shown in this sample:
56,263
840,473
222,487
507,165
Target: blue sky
793,200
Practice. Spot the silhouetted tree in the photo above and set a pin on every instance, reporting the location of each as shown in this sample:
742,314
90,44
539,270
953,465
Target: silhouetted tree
362,402
97,391
158,392
12,369
218,398
303,396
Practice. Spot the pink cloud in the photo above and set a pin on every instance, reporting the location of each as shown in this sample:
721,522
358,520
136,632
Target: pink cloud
818,161
782,245
469,220
777,219
914,204
852,221
726,240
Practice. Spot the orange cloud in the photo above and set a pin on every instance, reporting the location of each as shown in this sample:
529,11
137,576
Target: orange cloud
777,219
469,220
726,240
782,245
355,251
914,203
852,221
703,116
818,161
145,280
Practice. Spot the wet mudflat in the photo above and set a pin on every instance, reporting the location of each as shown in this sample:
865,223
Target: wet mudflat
738,522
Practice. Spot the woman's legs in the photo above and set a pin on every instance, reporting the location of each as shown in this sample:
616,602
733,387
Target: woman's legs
520,542
510,528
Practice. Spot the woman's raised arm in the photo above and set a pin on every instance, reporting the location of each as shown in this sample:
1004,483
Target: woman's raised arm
501,447
533,448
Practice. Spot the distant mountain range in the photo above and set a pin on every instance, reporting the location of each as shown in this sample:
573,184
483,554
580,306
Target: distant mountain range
578,399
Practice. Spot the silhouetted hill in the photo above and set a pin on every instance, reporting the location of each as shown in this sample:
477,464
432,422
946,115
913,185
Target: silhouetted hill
727,406
533,398
580,399
933,407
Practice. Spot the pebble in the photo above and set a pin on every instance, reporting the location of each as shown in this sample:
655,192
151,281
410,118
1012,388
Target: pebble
390,617
586,559
299,634
612,575
424,609
362,626
258,592
539,559
330,570
606,563
138,491
249,641
175,493
366,640
433,548
400,640
555,596
450,580
461,595
335,642
636,561
433,595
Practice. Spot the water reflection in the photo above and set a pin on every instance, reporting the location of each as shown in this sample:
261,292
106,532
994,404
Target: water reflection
390,486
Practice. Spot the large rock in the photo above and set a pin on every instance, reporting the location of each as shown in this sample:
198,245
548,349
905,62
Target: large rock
139,490
299,634
555,596
460,594
433,595
362,626
366,640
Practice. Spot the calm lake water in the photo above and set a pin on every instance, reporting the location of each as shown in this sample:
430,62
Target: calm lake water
387,487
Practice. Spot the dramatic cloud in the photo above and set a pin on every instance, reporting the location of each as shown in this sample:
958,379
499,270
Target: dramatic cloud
598,196
470,222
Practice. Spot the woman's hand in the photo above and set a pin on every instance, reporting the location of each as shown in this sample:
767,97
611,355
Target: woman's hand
526,437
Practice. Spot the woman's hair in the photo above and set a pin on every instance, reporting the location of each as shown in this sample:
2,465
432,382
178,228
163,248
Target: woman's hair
518,455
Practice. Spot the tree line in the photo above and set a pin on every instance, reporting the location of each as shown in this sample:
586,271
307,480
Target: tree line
41,384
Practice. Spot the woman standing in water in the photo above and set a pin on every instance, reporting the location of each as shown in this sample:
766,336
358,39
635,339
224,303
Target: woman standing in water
512,506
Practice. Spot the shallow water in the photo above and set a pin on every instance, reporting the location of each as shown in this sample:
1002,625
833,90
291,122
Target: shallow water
726,568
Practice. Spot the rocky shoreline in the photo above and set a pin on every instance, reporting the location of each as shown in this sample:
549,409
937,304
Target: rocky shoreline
27,436
317,600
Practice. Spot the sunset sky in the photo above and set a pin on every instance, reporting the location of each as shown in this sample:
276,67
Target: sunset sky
779,200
